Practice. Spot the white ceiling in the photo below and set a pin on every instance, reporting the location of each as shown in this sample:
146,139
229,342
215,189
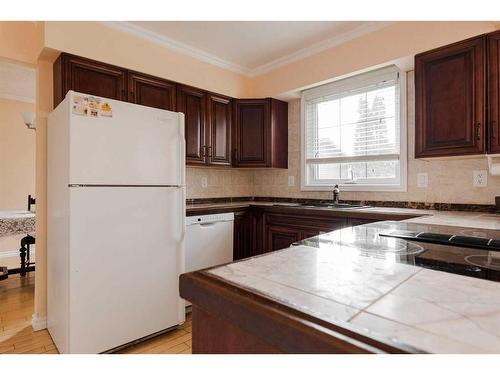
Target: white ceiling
17,82
249,47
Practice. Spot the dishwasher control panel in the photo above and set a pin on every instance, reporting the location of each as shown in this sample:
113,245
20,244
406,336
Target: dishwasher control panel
205,219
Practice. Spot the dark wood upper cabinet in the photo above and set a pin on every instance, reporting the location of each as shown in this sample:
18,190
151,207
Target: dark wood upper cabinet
192,102
450,100
494,91
89,77
260,133
218,129
255,134
151,91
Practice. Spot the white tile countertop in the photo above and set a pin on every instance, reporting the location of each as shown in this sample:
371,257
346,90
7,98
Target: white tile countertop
460,219
429,310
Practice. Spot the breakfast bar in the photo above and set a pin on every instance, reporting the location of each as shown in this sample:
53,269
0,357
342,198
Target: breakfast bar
353,291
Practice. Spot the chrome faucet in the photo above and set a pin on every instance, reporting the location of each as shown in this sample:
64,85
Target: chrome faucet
336,194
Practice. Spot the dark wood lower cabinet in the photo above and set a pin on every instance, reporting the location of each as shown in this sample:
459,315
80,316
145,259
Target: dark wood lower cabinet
280,237
242,235
259,230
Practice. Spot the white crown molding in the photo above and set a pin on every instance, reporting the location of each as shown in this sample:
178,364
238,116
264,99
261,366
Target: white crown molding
274,64
176,46
19,98
319,47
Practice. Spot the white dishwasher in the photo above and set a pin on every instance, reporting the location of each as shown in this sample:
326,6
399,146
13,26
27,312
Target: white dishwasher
209,240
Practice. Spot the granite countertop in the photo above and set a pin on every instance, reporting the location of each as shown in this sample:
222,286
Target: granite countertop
425,216
373,284
16,222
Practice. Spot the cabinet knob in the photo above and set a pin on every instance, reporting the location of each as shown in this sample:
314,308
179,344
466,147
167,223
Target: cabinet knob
478,131
209,148
202,151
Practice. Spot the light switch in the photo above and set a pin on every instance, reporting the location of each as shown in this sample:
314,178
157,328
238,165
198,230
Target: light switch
422,180
291,180
204,182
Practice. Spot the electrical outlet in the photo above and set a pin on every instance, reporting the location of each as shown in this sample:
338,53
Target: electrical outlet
291,180
204,182
480,178
422,180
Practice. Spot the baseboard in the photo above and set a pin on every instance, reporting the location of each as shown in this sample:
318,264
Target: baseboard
38,323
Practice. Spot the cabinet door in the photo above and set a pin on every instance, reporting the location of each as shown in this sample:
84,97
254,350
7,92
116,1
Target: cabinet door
219,130
192,102
151,91
252,133
494,91
88,77
280,237
450,100
354,222
242,241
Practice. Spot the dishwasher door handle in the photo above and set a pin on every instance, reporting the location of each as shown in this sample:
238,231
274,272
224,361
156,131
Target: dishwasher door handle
207,225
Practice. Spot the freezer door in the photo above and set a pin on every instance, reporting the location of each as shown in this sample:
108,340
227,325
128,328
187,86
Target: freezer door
131,145
126,255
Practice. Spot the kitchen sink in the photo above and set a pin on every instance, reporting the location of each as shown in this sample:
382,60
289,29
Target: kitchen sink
333,205
322,205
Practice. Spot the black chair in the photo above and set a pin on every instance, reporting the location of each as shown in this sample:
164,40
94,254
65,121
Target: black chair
26,242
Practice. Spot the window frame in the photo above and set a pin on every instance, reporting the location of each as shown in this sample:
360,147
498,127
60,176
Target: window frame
340,85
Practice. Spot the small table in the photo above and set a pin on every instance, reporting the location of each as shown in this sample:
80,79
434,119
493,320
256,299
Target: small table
12,223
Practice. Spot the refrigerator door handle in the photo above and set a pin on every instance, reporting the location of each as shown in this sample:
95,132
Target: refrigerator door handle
181,256
182,150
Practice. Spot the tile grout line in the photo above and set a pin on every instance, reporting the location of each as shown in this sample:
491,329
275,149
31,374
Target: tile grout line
363,310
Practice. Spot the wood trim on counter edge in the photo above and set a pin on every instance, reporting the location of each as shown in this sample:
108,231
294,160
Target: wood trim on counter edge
286,329
322,212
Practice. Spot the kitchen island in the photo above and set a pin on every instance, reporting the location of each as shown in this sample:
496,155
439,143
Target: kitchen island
352,291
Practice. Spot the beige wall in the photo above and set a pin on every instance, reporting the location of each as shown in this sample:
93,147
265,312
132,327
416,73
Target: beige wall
220,183
44,104
450,180
398,43
97,41
20,41
17,156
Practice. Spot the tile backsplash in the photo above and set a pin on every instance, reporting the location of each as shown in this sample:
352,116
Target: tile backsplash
220,182
449,180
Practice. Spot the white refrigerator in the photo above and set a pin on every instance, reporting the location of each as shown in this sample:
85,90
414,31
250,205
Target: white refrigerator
116,222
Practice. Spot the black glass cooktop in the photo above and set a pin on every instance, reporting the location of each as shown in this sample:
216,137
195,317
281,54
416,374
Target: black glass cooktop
465,251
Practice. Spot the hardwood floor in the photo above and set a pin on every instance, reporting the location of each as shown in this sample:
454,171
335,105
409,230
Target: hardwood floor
17,336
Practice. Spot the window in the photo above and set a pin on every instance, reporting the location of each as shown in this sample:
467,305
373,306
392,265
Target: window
354,133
